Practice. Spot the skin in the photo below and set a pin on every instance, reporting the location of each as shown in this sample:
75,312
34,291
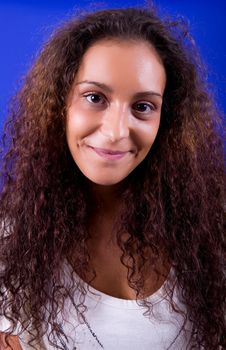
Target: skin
13,343
115,105
113,114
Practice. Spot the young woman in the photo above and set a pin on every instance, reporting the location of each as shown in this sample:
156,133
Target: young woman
112,196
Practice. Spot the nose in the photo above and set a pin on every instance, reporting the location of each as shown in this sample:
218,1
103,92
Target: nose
115,124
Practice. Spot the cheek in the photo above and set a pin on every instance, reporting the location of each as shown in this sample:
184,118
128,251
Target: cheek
145,135
79,126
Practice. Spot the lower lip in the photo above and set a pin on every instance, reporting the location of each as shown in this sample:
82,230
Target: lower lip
109,156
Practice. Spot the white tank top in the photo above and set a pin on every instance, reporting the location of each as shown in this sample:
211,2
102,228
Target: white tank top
117,324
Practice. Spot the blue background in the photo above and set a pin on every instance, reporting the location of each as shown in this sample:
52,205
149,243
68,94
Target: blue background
25,25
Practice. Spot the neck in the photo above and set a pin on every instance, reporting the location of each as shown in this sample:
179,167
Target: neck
104,204
105,198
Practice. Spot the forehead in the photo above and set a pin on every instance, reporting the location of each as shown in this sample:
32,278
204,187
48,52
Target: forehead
123,64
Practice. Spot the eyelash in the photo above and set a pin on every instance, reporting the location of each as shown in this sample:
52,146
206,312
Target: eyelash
92,94
150,105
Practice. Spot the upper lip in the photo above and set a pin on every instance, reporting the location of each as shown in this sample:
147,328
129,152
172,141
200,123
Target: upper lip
109,151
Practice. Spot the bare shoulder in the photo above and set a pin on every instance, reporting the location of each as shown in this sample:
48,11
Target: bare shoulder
13,342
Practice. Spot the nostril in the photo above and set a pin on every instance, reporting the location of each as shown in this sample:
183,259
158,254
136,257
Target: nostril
115,126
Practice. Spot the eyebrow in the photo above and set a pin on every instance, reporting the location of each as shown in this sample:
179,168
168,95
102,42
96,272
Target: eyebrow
110,90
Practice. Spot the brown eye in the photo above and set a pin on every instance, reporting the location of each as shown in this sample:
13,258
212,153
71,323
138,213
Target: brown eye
143,107
94,98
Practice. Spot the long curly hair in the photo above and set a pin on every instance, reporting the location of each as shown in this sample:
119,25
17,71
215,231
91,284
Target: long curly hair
174,200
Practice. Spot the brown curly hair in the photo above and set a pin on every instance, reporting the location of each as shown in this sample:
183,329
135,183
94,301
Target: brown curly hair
176,195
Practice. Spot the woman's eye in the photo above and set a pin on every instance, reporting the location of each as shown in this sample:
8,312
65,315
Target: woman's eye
144,107
94,98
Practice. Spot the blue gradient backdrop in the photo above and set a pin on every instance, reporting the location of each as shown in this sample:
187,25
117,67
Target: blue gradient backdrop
25,25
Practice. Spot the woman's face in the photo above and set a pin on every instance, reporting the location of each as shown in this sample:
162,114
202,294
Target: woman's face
114,109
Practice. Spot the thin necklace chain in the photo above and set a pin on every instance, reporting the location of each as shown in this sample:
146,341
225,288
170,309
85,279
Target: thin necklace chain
91,331
88,326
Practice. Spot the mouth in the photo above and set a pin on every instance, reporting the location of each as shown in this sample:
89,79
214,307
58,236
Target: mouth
109,154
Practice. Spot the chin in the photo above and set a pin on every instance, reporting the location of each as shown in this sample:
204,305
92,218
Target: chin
105,182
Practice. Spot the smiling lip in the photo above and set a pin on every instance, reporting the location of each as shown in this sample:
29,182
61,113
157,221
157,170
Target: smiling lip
109,154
